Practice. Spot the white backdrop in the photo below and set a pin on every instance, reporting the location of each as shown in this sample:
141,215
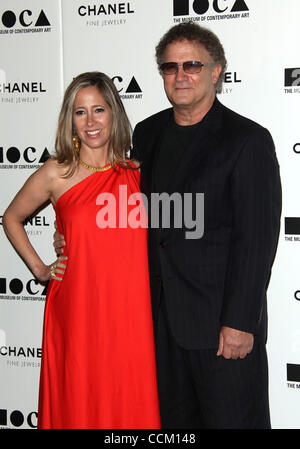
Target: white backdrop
43,45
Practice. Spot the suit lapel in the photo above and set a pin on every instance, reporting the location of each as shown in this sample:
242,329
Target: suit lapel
157,145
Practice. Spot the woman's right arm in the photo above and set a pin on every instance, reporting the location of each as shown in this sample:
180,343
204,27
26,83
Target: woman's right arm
36,191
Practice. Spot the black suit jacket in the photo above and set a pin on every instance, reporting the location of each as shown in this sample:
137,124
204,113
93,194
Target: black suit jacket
221,278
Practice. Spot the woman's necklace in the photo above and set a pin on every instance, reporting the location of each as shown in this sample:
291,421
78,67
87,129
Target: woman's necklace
89,167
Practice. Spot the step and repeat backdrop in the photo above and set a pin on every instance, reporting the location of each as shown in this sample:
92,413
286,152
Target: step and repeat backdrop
43,45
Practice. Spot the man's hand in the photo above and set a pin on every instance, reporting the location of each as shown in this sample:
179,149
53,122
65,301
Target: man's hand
59,242
234,344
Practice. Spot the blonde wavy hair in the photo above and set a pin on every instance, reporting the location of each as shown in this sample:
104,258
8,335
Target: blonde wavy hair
120,139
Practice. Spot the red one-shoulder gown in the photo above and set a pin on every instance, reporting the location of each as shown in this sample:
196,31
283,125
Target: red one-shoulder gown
98,363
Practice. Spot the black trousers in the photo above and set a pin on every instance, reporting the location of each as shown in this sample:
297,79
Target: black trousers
199,390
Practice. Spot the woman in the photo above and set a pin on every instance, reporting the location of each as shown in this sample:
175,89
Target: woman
98,365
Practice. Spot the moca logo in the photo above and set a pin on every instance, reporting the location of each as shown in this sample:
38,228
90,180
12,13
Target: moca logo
292,80
292,77
296,148
17,418
29,155
132,90
16,287
26,19
182,7
297,295
292,229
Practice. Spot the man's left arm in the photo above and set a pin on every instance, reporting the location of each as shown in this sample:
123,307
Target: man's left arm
256,202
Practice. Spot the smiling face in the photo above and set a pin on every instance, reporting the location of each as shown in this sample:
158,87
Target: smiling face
92,119
193,93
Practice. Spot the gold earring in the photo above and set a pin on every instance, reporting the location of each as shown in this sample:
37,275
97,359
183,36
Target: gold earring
76,143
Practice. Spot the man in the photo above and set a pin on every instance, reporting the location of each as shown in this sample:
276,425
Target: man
209,294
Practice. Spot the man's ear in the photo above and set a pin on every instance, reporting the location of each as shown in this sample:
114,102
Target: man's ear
216,73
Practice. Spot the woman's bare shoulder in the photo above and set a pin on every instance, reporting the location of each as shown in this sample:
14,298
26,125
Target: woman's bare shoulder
52,169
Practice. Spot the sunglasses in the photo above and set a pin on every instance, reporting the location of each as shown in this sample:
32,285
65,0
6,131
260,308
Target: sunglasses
190,67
